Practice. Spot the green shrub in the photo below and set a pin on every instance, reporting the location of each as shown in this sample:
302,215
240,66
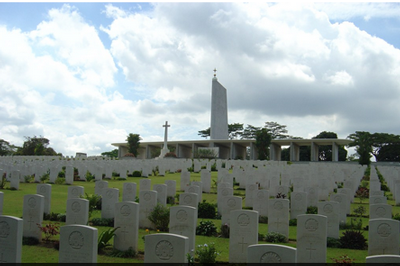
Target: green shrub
207,210
104,238
360,210
293,222
353,239
275,237
171,200
206,253
385,188
61,217
332,242
206,228
130,253
89,177
225,231
159,216
136,174
355,224
263,219
30,241
103,222
312,210
94,202
59,181
260,237
396,217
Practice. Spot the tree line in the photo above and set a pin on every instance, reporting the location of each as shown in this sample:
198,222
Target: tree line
383,146
31,146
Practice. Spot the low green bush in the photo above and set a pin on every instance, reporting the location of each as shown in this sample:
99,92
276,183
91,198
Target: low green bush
275,237
159,216
312,210
353,239
206,210
206,228
103,222
332,242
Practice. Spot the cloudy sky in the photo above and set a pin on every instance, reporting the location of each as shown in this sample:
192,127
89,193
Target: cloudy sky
85,75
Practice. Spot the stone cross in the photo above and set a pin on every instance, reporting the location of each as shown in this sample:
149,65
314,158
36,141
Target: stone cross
166,134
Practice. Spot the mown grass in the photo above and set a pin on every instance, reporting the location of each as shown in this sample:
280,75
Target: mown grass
13,201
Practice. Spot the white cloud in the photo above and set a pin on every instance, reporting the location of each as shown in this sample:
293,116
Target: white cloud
279,62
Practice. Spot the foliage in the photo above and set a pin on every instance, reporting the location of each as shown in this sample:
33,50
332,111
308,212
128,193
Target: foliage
159,216
363,142
396,216
275,237
30,241
206,228
250,132
280,195
225,231
111,154
136,173
235,131
36,146
206,253
263,219
53,216
89,177
263,140
59,181
206,210
6,148
133,143
312,210
360,210
343,260
3,181
325,151
170,155
389,153
49,230
353,239
109,222
355,224
129,154
362,193
205,153
276,130
332,242
94,202
45,177
104,238
129,253
293,222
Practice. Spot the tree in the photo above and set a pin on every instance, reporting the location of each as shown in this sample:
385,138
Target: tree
363,142
133,143
263,140
36,146
389,153
381,141
205,133
6,148
250,132
325,151
235,130
112,154
276,130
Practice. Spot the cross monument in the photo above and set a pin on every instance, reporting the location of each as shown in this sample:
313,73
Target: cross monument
165,149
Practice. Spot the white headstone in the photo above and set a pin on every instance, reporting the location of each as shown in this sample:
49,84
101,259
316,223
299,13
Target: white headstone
77,211
147,202
45,191
311,238
377,211
383,259
75,192
383,237
171,188
33,215
78,244
185,179
109,197
127,219
161,193
330,209
145,184
278,216
298,204
183,221
99,186
271,253
205,180
260,202
10,239
128,191
189,199
166,248
243,233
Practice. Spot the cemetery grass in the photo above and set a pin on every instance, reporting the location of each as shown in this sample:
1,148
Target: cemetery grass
13,201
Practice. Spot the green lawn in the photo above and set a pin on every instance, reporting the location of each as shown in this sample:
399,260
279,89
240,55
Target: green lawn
13,201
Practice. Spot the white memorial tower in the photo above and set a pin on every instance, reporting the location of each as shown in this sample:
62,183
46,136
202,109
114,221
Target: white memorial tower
219,110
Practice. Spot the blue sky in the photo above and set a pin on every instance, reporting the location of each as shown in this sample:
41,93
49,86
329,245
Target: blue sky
85,75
